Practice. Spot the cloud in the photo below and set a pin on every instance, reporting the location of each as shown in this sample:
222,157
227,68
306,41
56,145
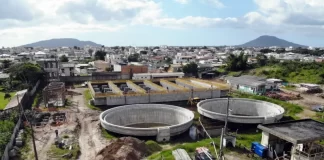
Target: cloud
288,12
182,1
215,3
16,10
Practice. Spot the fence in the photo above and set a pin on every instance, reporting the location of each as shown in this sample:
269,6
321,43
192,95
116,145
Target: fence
10,144
26,101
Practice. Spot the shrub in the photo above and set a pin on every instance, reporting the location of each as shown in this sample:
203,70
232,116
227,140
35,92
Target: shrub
152,146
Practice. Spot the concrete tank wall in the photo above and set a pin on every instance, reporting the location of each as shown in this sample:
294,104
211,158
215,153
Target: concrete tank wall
176,118
242,110
157,97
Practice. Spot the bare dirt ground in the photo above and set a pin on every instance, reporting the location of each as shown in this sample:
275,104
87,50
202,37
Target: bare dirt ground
307,102
79,117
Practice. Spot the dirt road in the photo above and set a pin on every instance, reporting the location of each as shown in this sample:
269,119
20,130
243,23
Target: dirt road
79,116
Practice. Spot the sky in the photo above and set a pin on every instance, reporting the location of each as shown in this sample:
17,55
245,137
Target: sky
161,22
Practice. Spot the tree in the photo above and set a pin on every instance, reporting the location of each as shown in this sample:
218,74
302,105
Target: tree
90,51
168,60
27,73
261,59
191,68
236,63
273,60
266,50
6,64
100,55
133,58
64,59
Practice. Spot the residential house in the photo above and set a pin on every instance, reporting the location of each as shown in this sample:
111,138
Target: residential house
67,69
249,84
51,68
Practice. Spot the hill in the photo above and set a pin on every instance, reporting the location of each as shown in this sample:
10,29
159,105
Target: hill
269,41
67,42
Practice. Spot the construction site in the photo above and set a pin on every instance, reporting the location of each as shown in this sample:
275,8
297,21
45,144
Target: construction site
122,92
179,118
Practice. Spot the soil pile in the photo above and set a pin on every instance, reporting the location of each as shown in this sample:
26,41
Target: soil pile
125,148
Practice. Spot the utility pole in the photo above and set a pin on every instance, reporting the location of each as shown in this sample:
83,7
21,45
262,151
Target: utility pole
22,112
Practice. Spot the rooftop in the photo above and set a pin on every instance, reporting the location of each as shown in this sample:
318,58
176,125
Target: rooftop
247,80
299,131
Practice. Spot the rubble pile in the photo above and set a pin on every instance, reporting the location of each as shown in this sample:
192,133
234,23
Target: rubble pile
125,148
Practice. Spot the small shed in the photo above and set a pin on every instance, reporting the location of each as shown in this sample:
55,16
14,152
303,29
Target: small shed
297,139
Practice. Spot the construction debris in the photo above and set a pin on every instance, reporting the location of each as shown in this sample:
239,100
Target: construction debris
125,148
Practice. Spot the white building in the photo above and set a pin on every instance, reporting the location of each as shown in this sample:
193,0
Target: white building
40,55
143,76
184,59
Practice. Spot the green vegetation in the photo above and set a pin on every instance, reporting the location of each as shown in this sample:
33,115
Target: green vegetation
236,62
246,139
64,59
3,100
25,73
290,109
25,151
88,97
106,134
6,128
292,71
152,146
38,98
134,58
100,55
58,152
189,147
191,68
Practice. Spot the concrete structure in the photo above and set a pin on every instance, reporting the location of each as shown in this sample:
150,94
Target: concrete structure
131,69
295,140
252,84
241,110
153,91
51,67
143,76
162,121
54,93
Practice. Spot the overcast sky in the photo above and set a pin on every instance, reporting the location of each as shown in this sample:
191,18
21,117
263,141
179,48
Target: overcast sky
161,22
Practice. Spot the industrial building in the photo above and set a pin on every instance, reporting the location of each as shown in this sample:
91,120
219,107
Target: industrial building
120,92
294,140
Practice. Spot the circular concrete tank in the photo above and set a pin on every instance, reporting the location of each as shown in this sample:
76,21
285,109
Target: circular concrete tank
242,110
147,120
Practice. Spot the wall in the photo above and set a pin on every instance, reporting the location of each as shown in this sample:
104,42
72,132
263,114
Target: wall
134,69
156,97
26,101
90,78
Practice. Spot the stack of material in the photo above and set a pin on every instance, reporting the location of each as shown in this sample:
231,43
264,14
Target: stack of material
180,154
125,148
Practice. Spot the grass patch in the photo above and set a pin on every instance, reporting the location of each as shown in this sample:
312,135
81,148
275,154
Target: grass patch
190,147
25,151
3,101
246,139
152,146
320,117
58,152
106,134
290,109
88,97
38,98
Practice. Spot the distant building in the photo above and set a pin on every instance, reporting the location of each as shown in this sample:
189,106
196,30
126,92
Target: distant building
51,68
143,76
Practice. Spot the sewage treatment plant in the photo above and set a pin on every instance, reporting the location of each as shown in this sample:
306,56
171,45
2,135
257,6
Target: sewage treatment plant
162,121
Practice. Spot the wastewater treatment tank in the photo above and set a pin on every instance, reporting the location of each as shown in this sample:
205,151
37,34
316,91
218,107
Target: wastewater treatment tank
241,110
160,120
